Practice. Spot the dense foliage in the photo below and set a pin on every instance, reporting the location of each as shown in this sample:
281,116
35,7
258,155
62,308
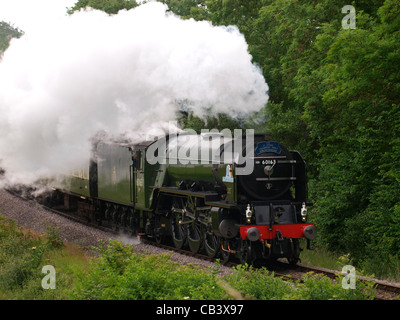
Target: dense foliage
109,6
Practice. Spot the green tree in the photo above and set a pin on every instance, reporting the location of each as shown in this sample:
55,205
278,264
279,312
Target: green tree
7,32
109,6
356,124
217,121
195,9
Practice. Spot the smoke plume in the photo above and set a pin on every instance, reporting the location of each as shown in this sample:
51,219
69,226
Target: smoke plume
120,74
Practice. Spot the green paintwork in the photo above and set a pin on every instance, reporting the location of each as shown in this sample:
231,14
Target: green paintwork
77,181
114,163
79,186
181,166
124,176
146,178
200,172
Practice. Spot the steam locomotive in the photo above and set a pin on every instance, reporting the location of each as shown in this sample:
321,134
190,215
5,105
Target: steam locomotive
241,197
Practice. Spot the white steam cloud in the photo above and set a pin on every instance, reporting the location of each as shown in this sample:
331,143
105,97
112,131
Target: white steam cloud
62,84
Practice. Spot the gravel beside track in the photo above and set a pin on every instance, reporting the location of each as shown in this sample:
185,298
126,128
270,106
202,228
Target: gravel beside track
32,216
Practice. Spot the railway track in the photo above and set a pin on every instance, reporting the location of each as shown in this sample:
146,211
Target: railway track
384,290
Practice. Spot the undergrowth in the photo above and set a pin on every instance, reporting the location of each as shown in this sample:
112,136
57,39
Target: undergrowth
120,273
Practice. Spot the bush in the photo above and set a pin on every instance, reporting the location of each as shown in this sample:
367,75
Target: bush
259,283
20,255
120,274
54,238
320,287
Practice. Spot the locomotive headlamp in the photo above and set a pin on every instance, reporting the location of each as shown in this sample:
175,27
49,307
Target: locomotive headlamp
249,214
303,212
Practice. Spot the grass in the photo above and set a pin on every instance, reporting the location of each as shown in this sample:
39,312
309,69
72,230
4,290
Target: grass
320,257
374,268
22,256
